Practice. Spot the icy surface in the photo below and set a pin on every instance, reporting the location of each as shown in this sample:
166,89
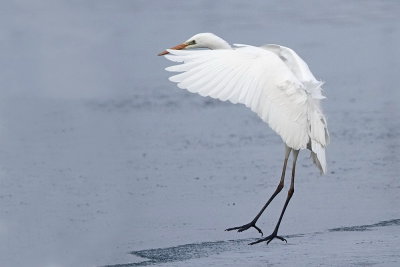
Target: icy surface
105,162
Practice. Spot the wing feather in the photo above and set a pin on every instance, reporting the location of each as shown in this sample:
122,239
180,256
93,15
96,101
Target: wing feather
240,84
251,76
229,91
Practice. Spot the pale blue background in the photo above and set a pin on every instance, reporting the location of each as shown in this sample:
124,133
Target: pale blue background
100,155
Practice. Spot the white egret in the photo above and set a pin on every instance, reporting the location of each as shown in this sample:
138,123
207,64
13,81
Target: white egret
271,80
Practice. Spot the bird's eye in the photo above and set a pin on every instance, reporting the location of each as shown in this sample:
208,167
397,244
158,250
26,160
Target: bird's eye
193,42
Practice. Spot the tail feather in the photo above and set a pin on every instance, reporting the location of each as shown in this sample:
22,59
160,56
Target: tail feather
318,156
319,136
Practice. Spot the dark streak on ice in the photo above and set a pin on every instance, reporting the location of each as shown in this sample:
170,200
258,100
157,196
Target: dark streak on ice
185,252
366,227
206,249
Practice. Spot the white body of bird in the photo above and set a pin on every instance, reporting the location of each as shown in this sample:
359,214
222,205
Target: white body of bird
271,80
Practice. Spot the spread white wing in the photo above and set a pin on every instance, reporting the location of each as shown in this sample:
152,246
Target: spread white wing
252,76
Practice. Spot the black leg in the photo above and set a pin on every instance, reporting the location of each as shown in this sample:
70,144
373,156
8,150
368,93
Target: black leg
290,194
277,190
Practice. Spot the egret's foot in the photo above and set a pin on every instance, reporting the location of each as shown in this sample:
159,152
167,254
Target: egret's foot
268,239
245,227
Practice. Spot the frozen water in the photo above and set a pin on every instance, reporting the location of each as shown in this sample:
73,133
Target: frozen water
105,162
190,253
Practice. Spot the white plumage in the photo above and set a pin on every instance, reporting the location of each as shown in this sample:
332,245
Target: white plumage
271,80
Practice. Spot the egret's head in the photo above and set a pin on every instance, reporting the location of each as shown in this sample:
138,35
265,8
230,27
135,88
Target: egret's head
204,40
201,40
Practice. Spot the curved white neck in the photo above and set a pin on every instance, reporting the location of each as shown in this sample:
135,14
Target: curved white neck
219,43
